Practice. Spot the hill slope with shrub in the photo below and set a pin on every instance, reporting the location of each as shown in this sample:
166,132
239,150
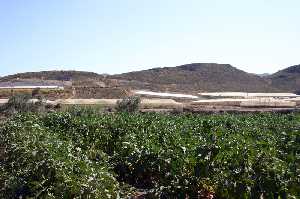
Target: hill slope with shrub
287,79
200,77
52,75
191,78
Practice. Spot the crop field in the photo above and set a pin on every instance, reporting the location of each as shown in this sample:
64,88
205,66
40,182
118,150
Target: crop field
121,155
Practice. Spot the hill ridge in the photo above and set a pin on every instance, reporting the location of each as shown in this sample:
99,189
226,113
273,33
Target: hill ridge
192,77
199,77
287,79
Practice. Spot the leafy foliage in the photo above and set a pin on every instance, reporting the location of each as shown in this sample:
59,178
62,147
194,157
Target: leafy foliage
85,111
100,156
41,164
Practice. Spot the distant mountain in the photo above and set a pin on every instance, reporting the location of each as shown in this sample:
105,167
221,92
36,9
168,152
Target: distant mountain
287,79
78,84
189,78
52,75
80,78
199,77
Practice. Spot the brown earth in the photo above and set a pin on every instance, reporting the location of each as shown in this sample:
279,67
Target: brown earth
287,79
198,77
189,78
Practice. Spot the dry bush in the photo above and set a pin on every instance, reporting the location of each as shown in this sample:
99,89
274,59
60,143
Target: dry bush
129,104
22,103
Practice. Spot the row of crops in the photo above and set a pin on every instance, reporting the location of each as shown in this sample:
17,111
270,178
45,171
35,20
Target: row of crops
64,155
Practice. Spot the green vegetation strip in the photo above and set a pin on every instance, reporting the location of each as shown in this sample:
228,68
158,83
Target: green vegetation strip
64,155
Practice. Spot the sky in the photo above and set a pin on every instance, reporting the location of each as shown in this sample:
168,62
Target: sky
117,36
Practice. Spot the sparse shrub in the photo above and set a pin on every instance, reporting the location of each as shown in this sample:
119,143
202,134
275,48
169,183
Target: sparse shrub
21,103
177,110
35,92
17,103
129,104
53,107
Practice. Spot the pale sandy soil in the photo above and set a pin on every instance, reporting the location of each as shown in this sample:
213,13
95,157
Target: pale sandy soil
297,100
258,102
173,95
247,95
221,102
145,103
199,104
32,87
268,102
160,103
3,101
86,101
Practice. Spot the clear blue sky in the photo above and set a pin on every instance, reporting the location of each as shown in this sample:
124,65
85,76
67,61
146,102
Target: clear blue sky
115,36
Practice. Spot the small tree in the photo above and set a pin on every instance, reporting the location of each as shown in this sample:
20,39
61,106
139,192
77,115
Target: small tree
129,104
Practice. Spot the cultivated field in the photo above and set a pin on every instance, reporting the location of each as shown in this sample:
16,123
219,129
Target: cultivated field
80,151
86,155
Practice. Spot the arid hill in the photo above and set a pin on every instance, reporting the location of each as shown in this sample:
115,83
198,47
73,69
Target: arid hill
200,77
55,77
52,75
287,79
189,78
77,84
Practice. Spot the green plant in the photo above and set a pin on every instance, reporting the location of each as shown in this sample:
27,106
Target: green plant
78,111
128,104
165,156
41,164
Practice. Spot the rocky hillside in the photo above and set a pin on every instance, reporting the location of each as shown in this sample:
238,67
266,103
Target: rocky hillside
199,77
189,78
52,75
287,79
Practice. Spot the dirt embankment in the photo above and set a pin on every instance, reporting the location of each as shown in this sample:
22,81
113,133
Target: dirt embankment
82,92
